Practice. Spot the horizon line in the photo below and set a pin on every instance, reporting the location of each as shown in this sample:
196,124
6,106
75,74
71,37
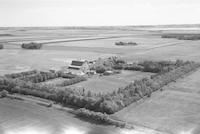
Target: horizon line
142,25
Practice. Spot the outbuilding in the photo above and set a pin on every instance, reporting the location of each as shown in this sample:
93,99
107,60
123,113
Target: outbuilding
79,66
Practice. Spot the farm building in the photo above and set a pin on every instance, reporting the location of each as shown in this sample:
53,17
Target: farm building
79,67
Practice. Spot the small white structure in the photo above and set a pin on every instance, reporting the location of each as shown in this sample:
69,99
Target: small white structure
79,67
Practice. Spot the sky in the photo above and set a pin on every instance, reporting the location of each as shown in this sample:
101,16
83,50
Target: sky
98,12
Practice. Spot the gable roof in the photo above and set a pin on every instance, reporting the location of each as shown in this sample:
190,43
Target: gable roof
74,67
77,63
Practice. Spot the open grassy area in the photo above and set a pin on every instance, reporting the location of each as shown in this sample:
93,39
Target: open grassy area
54,82
105,84
175,110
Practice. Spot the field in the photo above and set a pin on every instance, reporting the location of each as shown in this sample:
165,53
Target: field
105,84
178,105
174,110
25,117
189,84
55,55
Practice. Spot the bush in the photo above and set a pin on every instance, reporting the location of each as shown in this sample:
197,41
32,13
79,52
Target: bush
100,69
126,43
3,93
40,77
99,117
31,45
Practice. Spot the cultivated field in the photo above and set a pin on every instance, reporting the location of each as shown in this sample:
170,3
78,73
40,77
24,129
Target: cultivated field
25,117
55,55
174,110
18,117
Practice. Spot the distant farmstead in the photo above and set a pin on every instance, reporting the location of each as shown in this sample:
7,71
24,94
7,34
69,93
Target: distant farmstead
79,67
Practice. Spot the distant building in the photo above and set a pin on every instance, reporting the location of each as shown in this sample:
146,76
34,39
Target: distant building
79,67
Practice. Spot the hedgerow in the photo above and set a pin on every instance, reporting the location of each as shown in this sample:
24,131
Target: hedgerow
99,117
40,77
182,36
21,74
126,43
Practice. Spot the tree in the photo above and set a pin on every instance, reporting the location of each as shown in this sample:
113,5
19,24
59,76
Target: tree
31,45
89,94
1,46
100,69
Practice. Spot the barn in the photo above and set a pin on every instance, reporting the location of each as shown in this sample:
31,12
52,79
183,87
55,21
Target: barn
79,67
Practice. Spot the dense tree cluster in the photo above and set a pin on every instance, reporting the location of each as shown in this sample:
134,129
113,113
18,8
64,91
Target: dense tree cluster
40,77
116,63
21,74
100,69
182,36
150,66
102,65
1,46
31,45
99,117
126,43
4,34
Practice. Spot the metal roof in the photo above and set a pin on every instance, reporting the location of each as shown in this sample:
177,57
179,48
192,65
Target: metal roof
77,63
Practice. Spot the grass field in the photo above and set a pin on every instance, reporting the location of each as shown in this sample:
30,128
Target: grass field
54,82
175,110
105,84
